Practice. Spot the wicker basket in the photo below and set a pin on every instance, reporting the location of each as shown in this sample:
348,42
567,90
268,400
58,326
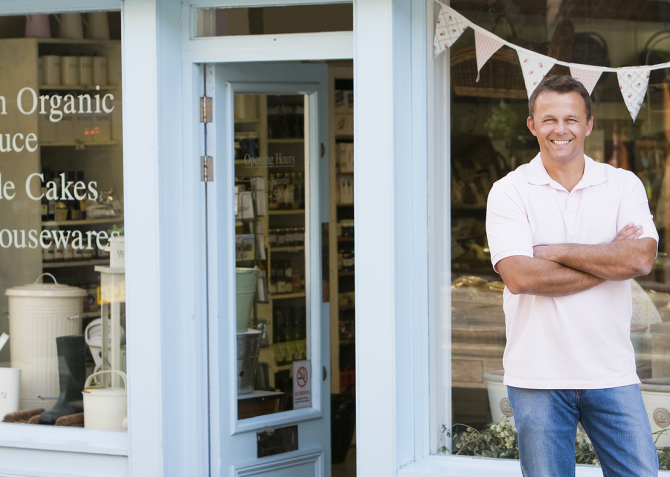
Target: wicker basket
500,77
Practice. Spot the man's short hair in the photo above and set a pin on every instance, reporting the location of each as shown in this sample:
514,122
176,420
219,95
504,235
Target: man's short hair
561,84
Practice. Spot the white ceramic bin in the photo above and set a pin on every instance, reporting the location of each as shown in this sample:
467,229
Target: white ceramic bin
38,314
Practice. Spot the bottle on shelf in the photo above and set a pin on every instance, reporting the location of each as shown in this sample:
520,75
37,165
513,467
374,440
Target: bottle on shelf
74,204
281,191
301,193
272,192
44,204
61,210
82,203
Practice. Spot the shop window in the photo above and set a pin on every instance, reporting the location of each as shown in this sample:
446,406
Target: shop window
275,20
489,138
272,257
62,229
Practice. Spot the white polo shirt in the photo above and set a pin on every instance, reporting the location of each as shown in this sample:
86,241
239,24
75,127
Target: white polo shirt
580,341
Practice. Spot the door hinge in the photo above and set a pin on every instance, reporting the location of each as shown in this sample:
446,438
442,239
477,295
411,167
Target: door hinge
206,168
206,111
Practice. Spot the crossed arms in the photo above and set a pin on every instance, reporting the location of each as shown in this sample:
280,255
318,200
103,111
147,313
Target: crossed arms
564,269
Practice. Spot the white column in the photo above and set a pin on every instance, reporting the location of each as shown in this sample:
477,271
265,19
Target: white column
386,235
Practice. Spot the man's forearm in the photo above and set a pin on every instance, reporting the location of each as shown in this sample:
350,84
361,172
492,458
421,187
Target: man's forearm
619,260
535,276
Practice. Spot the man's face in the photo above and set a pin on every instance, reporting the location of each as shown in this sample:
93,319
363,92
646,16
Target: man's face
560,126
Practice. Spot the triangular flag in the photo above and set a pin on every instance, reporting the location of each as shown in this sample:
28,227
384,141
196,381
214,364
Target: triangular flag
485,47
534,68
633,85
450,26
588,78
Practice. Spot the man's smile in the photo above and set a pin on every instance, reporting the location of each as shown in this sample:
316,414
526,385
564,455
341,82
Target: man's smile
560,142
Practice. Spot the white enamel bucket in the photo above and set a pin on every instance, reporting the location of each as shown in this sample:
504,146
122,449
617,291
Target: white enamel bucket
38,314
106,408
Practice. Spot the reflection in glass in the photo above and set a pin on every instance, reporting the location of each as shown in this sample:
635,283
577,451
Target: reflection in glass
270,228
61,240
489,138
275,20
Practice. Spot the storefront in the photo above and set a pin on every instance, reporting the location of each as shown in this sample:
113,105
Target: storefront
189,173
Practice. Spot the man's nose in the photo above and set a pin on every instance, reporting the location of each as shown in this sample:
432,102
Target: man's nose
560,127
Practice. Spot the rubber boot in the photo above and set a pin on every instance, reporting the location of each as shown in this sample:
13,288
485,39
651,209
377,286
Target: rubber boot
71,377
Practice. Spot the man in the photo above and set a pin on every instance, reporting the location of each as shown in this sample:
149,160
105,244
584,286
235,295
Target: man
567,234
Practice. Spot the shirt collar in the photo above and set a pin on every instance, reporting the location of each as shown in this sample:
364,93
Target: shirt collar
593,174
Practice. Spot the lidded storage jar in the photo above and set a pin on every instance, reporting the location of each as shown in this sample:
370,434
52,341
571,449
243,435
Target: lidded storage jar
38,314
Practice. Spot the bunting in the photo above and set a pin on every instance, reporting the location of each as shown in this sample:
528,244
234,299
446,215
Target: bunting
450,26
633,86
486,47
534,68
588,78
633,81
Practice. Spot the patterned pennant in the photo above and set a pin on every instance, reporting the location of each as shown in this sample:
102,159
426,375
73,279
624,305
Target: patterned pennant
633,85
534,68
450,26
486,47
588,78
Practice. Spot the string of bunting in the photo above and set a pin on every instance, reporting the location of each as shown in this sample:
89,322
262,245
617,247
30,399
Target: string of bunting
633,80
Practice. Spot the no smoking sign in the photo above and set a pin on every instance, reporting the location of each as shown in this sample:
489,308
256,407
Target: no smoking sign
302,385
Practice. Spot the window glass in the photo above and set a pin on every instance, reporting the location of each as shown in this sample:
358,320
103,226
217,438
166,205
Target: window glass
62,231
272,256
275,20
489,138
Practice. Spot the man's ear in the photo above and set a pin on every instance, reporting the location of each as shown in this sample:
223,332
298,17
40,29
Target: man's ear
589,126
531,126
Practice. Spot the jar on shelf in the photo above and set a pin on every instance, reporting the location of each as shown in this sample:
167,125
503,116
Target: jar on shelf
281,238
272,238
290,237
300,236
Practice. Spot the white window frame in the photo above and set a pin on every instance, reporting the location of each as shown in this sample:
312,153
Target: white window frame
21,445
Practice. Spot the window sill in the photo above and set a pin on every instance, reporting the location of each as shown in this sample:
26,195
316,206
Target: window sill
63,439
479,467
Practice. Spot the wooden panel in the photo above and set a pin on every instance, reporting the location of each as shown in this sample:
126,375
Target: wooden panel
467,371
660,350
18,69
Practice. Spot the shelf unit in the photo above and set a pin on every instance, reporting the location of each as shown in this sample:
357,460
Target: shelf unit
83,263
274,218
74,223
337,279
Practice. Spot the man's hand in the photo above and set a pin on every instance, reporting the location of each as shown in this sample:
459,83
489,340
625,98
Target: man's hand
629,232
536,276
625,257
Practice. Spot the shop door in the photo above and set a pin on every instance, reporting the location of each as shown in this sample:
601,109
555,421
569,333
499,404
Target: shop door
266,167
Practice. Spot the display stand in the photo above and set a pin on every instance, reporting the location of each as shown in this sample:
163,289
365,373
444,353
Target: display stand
112,294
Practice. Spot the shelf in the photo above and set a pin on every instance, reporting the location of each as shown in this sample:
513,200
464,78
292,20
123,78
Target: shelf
346,205
83,144
347,342
90,314
468,207
84,263
77,87
344,136
286,141
69,41
74,223
347,308
346,274
287,212
286,296
345,239
298,248
247,121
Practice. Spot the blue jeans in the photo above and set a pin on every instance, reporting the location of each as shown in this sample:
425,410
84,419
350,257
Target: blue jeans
614,419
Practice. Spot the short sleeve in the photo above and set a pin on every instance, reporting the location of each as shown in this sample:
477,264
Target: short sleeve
634,208
507,226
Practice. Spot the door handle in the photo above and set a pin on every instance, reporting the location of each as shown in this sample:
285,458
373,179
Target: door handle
325,373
